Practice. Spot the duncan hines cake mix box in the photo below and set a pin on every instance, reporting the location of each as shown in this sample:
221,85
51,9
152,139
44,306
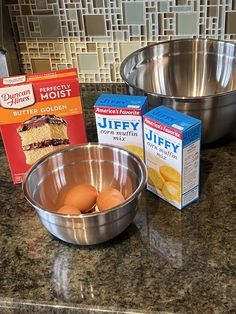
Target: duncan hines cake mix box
172,155
39,113
119,120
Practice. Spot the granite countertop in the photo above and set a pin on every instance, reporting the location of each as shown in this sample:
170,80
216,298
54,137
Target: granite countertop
167,261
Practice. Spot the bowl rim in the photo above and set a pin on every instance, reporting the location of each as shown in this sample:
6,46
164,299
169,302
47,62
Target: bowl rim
137,191
179,98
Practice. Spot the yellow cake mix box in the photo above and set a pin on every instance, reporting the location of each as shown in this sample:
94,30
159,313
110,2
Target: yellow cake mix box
39,113
172,155
119,121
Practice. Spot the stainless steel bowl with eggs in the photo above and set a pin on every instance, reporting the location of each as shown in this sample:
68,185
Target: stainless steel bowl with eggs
86,194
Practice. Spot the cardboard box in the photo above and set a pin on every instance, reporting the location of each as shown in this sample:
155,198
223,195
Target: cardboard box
39,113
172,155
119,120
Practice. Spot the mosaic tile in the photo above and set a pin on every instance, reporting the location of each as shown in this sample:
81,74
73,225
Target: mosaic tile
43,12
182,9
50,26
91,47
96,35
127,48
108,57
87,63
25,10
41,4
59,47
12,2
231,22
134,30
31,26
212,11
98,3
187,23
22,47
133,13
68,52
163,6
181,2
26,26
71,14
40,65
61,67
94,25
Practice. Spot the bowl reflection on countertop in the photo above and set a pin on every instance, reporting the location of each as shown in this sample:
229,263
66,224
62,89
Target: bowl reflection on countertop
96,164
193,76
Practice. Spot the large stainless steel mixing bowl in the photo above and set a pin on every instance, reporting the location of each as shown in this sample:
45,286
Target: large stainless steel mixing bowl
194,76
96,164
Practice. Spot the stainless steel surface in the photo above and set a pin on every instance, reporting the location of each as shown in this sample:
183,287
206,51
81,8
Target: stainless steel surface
9,63
3,60
193,76
96,164
4,72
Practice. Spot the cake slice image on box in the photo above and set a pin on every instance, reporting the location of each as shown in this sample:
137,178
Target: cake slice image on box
42,134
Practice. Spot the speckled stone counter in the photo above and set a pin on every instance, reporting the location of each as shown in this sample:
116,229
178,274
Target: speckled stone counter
167,261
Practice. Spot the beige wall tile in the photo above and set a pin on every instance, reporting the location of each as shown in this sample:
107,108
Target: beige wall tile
94,25
231,22
127,48
91,47
40,65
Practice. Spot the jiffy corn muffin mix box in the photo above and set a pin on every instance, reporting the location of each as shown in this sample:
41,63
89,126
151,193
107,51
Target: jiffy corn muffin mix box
172,155
119,120
39,113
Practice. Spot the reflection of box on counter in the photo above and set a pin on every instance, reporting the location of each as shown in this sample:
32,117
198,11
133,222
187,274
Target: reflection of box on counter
119,121
161,227
172,155
165,234
39,113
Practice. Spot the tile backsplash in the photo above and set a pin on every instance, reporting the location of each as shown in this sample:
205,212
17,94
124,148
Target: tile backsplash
96,35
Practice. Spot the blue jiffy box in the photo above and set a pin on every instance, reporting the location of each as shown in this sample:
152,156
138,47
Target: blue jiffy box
172,155
119,121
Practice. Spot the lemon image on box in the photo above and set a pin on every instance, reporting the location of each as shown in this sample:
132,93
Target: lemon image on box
170,174
171,191
169,188
155,179
136,150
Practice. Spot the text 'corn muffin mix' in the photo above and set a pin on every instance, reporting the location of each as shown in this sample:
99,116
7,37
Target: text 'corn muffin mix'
172,155
119,120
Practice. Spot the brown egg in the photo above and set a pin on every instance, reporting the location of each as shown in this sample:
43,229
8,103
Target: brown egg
68,210
109,198
82,196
